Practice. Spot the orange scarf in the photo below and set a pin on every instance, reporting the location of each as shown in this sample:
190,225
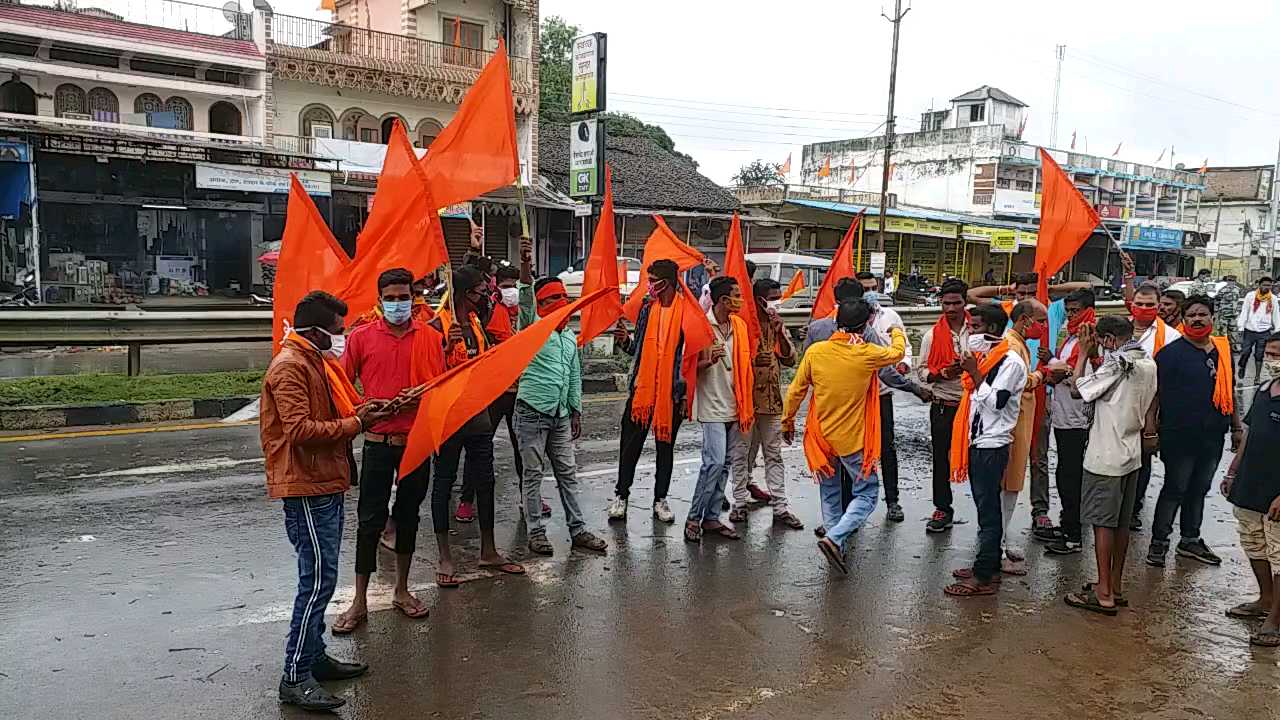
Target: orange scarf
1158,345
653,398
942,352
1258,300
818,452
960,427
1223,393
459,354
341,391
743,373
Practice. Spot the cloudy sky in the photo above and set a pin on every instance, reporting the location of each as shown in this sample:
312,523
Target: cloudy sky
735,80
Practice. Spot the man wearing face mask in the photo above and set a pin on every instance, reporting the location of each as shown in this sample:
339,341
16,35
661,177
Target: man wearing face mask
1154,335
548,413
310,414
1259,317
465,339
1197,407
390,357
1171,308
656,391
773,351
1069,416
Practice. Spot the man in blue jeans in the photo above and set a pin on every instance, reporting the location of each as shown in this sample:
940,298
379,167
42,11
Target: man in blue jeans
310,413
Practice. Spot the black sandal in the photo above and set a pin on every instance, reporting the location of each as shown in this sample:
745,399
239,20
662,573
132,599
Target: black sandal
1121,600
833,554
1265,638
539,544
1088,600
692,533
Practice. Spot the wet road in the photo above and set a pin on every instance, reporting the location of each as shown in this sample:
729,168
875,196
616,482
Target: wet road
148,574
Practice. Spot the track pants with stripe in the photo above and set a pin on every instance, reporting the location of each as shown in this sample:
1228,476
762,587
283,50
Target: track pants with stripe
314,525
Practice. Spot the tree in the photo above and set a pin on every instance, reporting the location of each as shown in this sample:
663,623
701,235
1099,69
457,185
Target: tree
758,173
555,69
626,125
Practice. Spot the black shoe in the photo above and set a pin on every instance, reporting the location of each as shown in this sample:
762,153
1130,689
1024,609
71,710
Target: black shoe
1042,529
894,513
309,695
1155,555
1197,550
1136,525
725,505
326,668
940,522
820,531
1063,546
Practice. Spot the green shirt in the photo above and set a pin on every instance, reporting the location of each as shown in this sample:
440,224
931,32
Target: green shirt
552,383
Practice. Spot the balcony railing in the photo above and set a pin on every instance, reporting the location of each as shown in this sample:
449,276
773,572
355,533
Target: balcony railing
777,194
308,34
224,22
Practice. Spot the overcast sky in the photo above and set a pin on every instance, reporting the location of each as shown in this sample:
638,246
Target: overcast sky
735,80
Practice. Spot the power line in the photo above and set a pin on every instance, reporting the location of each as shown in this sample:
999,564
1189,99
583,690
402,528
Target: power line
742,113
752,107
1108,65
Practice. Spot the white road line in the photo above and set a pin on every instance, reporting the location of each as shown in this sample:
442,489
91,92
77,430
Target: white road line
218,463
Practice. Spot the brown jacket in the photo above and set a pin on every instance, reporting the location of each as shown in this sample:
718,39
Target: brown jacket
306,445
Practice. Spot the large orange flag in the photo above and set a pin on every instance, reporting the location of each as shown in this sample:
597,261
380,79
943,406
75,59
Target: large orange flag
477,151
310,258
841,267
1066,222
451,399
601,272
402,231
735,266
661,245
795,286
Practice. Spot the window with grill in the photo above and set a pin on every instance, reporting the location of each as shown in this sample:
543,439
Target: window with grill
181,110
70,101
103,105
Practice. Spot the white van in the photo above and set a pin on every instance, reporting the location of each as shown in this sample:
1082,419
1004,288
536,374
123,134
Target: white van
783,266
572,276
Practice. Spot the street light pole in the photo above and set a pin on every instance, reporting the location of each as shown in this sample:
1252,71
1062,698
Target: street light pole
898,14
1275,214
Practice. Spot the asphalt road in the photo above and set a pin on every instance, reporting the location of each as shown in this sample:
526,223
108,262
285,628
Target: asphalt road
148,576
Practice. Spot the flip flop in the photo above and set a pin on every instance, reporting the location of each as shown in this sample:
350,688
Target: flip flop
967,574
832,552
965,590
446,580
1088,600
1121,600
1013,569
1270,638
408,611
507,567
1247,611
337,629
724,531
692,534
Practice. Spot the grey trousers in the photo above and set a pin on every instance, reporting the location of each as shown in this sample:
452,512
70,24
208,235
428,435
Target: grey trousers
765,435
1040,468
546,440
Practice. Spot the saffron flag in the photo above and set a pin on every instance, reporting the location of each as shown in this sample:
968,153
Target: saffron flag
602,272
1204,167
451,399
735,266
795,286
1066,222
825,170
310,259
841,267
786,167
661,245
477,151
403,230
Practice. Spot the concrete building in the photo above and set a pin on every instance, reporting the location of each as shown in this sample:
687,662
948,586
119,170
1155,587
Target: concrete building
970,159
1236,208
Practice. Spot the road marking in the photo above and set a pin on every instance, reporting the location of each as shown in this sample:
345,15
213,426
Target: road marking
121,431
190,466
612,397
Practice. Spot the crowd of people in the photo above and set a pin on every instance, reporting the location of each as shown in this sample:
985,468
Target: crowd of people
1004,376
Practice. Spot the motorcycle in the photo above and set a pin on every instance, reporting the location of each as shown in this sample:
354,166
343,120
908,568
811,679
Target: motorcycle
28,296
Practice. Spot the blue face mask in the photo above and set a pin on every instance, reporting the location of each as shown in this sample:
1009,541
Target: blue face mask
397,312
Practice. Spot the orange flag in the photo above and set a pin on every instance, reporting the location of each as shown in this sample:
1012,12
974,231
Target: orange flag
795,286
601,272
310,258
661,245
841,267
451,399
735,266
402,231
1066,222
785,170
477,151
825,170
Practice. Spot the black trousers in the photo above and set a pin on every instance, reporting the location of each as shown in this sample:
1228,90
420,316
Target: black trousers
632,444
504,408
1144,481
478,471
941,420
888,451
1252,343
986,471
1070,477
377,475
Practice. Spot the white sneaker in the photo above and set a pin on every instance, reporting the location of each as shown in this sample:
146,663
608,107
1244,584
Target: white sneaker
618,509
662,511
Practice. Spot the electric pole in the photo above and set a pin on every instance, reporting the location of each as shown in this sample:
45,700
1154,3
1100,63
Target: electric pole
1275,214
898,14
1057,89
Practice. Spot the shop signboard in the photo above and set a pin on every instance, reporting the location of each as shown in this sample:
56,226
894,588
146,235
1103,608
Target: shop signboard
1145,236
912,226
259,180
878,263
1006,240
1113,212
588,88
1016,202
586,158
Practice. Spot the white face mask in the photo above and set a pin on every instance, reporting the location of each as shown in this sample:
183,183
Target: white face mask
773,305
510,296
980,343
337,343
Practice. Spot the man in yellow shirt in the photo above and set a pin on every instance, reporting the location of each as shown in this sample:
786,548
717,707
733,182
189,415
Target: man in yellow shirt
842,427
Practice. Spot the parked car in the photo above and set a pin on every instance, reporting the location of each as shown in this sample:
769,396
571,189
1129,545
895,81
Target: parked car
783,266
572,276
1185,286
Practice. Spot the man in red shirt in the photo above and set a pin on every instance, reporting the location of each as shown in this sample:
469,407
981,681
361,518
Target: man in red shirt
390,357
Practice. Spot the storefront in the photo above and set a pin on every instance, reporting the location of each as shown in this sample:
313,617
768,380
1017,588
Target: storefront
15,213
117,230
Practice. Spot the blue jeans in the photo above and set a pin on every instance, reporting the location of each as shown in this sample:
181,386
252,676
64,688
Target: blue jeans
546,440
1190,462
986,473
314,525
842,521
719,439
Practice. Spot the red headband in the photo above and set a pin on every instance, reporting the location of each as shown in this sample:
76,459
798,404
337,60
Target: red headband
555,287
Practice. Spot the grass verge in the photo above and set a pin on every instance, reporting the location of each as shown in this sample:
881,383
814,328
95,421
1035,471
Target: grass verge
80,389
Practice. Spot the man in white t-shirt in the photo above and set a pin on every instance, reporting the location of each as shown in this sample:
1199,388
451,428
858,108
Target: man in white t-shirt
1122,393
1153,334
1259,317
